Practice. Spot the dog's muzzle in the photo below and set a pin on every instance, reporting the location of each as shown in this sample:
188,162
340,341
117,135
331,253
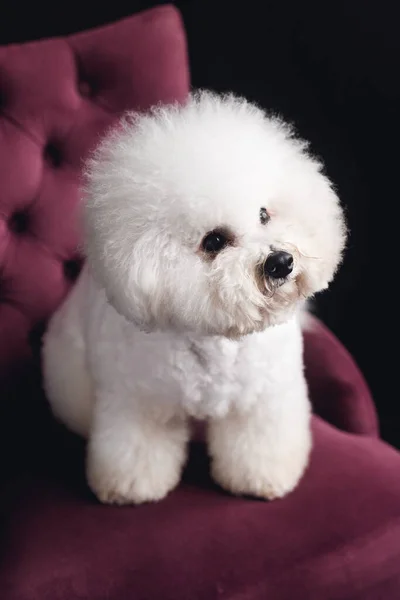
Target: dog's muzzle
278,265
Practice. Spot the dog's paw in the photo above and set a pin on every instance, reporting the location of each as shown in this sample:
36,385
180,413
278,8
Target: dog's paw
122,490
261,476
268,483
136,483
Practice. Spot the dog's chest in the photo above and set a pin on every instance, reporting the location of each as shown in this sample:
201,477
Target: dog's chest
212,357
203,371
204,376
214,374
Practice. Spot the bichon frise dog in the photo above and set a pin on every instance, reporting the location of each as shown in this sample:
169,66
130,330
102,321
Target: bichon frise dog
206,227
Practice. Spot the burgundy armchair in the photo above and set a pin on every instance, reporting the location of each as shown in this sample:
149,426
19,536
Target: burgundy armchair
336,536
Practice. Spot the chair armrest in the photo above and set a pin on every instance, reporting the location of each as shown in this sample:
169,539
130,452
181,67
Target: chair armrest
338,391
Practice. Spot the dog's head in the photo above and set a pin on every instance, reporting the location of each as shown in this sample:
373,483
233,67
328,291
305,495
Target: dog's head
209,217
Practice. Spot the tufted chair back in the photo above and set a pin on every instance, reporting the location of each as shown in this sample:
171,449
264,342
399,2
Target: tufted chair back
57,98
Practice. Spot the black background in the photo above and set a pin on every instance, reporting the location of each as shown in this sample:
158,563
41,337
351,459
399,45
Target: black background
332,68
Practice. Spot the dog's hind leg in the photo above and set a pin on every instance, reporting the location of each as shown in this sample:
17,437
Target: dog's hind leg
67,381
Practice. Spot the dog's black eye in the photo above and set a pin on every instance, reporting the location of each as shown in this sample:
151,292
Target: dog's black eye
214,242
264,216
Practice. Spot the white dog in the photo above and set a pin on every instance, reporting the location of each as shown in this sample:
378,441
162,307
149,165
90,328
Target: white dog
207,225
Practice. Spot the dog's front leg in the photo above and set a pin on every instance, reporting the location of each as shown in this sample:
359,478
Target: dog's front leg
263,452
133,455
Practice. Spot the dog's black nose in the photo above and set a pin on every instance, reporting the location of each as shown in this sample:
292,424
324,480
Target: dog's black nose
278,265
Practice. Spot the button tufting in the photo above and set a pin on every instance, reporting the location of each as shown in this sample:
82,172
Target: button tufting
19,222
72,268
52,154
85,89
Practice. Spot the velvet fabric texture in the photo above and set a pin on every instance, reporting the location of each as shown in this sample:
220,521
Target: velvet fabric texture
337,536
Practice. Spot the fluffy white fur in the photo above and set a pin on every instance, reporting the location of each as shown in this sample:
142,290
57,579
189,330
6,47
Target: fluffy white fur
156,331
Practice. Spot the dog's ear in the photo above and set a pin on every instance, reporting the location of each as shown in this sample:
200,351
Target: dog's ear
137,314
324,248
128,271
120,242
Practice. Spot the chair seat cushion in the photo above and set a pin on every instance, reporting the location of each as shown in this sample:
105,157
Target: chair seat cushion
336,536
